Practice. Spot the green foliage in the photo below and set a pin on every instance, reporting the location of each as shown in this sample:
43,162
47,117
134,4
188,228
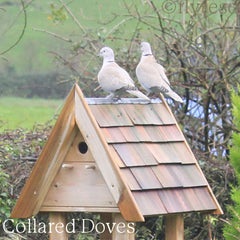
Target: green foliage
235,150
232,227
152,228
18,151
6,201
236,109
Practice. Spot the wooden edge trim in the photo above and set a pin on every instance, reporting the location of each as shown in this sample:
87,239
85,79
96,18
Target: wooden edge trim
127,203
80,209
33,194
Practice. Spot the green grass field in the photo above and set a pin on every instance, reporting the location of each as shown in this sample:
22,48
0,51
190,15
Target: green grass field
24,113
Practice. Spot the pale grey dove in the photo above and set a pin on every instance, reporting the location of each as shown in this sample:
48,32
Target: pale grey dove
114,79
151,75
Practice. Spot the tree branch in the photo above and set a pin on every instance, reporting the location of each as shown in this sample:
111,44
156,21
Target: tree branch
23,30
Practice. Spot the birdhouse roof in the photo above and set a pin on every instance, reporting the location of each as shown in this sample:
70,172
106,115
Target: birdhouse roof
139,152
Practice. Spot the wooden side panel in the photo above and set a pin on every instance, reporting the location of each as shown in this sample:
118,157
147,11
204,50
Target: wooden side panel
74,154
100,151
49,162
174,227
79,186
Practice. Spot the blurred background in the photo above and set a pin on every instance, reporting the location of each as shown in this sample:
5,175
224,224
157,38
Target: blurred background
47,46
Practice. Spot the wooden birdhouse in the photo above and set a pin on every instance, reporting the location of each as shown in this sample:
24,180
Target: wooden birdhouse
124,160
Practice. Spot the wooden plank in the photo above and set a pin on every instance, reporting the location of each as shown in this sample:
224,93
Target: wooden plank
128,207
176,200
130,134
49,162
128,154
113,135
179,175
172,133
191,176
174,227
106,218
123,230
164,152
135,154
100,150
184,153
206,200
80,209
142,114
110,115
156,133
163,114
57,226
116,157
146,178
166,176
149,202
130,179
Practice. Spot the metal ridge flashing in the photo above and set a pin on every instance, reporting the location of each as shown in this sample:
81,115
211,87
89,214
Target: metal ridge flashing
99,101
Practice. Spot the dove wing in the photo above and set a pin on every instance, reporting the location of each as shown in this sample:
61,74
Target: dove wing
112,77
151,74
162,72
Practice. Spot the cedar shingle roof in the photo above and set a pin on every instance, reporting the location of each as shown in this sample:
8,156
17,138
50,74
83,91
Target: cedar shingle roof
153,156
138,163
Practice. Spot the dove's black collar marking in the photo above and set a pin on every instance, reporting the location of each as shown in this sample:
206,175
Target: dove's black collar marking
110,61
148,54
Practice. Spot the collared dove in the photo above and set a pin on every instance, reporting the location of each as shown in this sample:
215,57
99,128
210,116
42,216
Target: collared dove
114,79
151,75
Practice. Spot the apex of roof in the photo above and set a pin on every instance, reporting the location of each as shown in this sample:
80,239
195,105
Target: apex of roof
136,149
102,101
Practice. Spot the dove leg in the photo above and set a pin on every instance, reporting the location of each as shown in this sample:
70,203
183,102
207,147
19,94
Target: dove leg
110,96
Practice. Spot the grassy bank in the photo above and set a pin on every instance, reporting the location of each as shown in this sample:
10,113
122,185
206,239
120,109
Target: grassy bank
24,113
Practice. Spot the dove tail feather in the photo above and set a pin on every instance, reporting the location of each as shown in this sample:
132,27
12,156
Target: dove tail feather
175,96
138,94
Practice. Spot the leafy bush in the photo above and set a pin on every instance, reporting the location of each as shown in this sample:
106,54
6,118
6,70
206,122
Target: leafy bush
232,228
18,151
6,200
